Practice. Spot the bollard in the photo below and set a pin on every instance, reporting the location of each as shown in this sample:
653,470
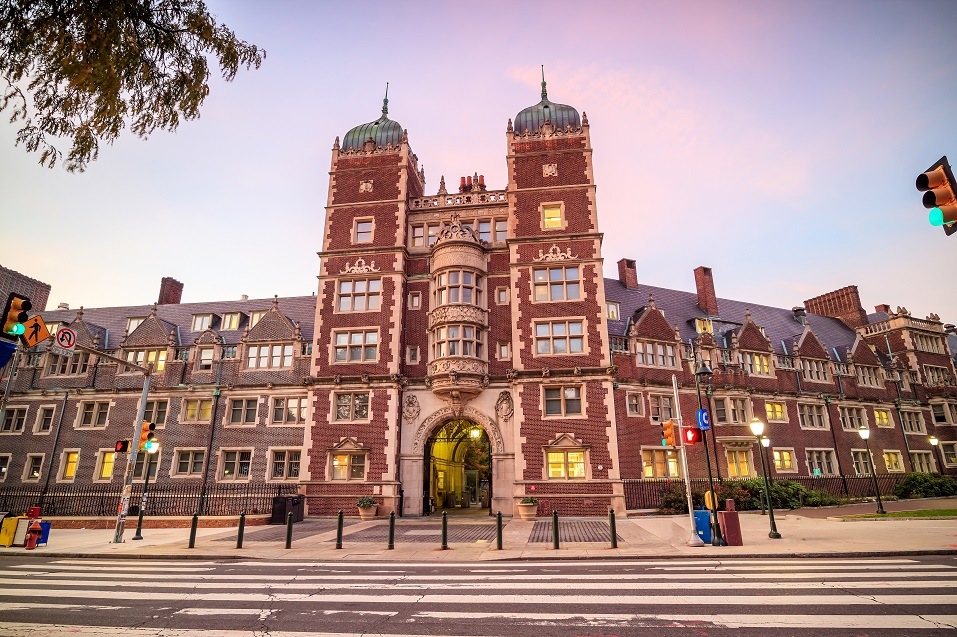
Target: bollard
445,531
391,530
614,531
339,531
555,529
242,529
289,530
192,531
498,530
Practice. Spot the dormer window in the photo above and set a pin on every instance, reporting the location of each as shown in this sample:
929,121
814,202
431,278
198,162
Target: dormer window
703,326
757,364
254,317
131,324
201,322
230,321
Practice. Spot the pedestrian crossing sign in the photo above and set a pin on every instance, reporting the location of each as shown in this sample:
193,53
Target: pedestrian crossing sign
35,331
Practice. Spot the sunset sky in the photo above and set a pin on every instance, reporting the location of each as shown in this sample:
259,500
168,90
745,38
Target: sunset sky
776,142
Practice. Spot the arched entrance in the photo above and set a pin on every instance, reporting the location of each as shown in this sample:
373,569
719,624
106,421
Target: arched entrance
457,469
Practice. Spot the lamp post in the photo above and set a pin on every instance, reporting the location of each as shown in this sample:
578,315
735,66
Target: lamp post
716,538
150,451
935,443
866,435
757,428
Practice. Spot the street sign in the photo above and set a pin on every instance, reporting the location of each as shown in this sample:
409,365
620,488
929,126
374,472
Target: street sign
66,338
704,421
59,351
35,331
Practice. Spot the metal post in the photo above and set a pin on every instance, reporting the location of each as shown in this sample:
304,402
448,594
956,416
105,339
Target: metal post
242,529
774,535
131,459
192,531
498,530
445,531
15,360
716,539
146,486
555,529
877,490
614,530
339,531
694,540
289,530
391,530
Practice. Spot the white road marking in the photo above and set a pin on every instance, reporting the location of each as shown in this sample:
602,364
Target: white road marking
579,564
263,614
42,606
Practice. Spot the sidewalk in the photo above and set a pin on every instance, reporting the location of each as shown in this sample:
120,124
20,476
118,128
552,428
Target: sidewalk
806,533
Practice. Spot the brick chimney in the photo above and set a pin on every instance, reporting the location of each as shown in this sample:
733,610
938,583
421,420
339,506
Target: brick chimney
704,283
628,273
171,291
843,304
883,307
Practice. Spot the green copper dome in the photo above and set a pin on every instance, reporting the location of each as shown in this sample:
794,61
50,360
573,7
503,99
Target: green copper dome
382,131
559,115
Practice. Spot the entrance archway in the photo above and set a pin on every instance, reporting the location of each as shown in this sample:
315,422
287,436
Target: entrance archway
457,469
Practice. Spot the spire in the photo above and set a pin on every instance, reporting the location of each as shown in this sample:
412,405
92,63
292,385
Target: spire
385,101
544,92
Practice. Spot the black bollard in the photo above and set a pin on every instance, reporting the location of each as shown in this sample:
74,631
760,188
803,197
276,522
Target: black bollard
242,530
498,530
192,531
555,529
445,531
391,530
614,531
289,530
339,531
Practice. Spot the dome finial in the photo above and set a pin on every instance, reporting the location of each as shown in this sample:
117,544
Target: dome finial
544,92
385,101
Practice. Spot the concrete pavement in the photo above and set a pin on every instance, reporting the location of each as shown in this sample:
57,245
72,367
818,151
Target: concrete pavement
805,533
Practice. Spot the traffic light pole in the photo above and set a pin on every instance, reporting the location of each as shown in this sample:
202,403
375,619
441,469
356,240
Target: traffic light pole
695,539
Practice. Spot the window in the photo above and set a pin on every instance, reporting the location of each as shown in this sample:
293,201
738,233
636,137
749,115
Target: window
197,410
235,465
415,300
269,356
255,317
205,358
356,347
552,217
868,376
923,461
894,461
812,416
353,406
882,418
820,462
201,322
32,468
189,462
784,461
362,231
501,296
739,463
4,466
155,412
730,410
457,340
131,324
655,354
230,321
44,422
229,351
949,451
285,464
862,462
68,365
289,411
141,460
776,412
936,376
68,463
913,422
757,364
359,295
926,343
146,357
243,411
563,401
852,418
660,463
503,352
562,283
612,311
484,228
814,370
13,420
703,326
635,404
93,415
423,233
559,337
566,464
182,354
661,408
105,464
458,286
349,466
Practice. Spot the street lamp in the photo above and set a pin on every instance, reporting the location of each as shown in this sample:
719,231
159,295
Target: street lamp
716,539
866,435
935,443
757,428
150,450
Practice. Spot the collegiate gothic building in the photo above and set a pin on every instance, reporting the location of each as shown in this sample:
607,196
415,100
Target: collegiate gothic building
477,323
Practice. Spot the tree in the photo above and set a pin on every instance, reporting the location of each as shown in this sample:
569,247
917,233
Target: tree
85,69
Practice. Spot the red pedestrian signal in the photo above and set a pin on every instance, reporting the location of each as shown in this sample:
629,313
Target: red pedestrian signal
122,446
692,436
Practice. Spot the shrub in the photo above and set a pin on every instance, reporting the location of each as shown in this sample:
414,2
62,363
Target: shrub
787,494
529,500
674,500
366,502
820,498
925,485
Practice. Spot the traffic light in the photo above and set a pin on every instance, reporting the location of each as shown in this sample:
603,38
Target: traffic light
692,436
938,185
148,441
14,315
122,446
668,434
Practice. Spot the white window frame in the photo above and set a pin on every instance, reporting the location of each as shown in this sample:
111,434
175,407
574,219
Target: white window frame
101,455
353,405
301,411
545,289
563,400
774,417
733,457
369,297
546,226
237,476
97,408
17,419
365,334
651,465
502,295
243,405
356,230
415,300
5,460
270,356
349,466
568,337
758,363
198,419
566,463
201,322
612,310
778,462
948,452
287,463
656,354
899,465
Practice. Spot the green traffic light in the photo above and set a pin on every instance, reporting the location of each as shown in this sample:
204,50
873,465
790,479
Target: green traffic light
936,217
151,446
17,329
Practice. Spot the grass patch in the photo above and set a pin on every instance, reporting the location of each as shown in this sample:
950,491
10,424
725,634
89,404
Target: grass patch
921,513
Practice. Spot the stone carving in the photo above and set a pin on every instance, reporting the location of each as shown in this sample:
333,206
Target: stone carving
438,418
337,379
365,379
546,372
411,408
457,314
577,371
455,229
612,371
360,267
503,406
511,375
453,377
457,365
555,254
365,185
933,317
399,379
428,382
549,170
485,381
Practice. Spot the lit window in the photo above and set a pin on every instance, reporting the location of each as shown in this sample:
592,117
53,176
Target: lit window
557,284
757,364
612,311
201,322
882,418
359,295
660,463
289,411
230,321
739,463
949,449
566,464
32,468
356,347
107,462
4,466
363,232
775,411
197,410
563,401
353,406
285,464
551,216
784,460
559,337
146,357
70,461
236,465
894,461
349,466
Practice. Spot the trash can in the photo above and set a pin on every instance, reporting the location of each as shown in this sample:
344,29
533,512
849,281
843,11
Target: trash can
283,505
44,533
298,508
702,525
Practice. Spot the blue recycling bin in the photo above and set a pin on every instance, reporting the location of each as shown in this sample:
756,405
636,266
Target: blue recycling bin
702,525
44,533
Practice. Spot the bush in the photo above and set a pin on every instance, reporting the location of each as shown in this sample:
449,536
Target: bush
925,485
787,494
819,498
529,500
674,499
366,502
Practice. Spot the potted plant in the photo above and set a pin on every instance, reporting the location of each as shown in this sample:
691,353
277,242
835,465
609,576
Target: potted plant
528,508
367,507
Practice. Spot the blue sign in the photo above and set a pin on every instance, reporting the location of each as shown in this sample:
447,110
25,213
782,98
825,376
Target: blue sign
704,421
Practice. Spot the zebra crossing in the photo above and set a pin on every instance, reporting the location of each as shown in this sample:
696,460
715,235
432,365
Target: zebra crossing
892,596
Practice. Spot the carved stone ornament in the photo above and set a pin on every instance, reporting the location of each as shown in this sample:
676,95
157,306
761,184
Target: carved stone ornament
612,371
549,170
577,371
503,406
546,372
453,377
411,408
455,229
399,379
337,379
360,267
365,379
511,374
365,185
555,254
428,381
485,380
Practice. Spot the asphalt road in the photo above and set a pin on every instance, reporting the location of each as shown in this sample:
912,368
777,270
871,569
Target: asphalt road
750,597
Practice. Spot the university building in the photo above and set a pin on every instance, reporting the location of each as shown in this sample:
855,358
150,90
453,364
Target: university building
463,349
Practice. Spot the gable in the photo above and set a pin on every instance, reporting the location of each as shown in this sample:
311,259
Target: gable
652,324
863,354
151,332
348,444
751,338
273,326
209,337
810,347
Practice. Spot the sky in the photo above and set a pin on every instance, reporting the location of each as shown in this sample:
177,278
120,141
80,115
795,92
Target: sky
775,142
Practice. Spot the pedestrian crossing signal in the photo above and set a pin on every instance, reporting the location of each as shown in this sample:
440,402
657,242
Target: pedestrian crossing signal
692,436
122,446
14,316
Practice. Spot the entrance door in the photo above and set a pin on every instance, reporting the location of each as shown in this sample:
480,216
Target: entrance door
457,470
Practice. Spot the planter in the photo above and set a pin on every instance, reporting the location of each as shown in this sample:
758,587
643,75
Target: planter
527,512
367,513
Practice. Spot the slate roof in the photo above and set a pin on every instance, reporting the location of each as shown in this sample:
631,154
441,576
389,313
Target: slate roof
300,309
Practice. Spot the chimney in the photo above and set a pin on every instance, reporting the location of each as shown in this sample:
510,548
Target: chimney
244,297
628,273
171,291
800,314
883,307
704,283
63,306
843,304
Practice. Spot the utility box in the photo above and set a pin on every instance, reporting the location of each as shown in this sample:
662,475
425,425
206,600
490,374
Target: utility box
44,533
702,525
731,527
8,529
283,505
